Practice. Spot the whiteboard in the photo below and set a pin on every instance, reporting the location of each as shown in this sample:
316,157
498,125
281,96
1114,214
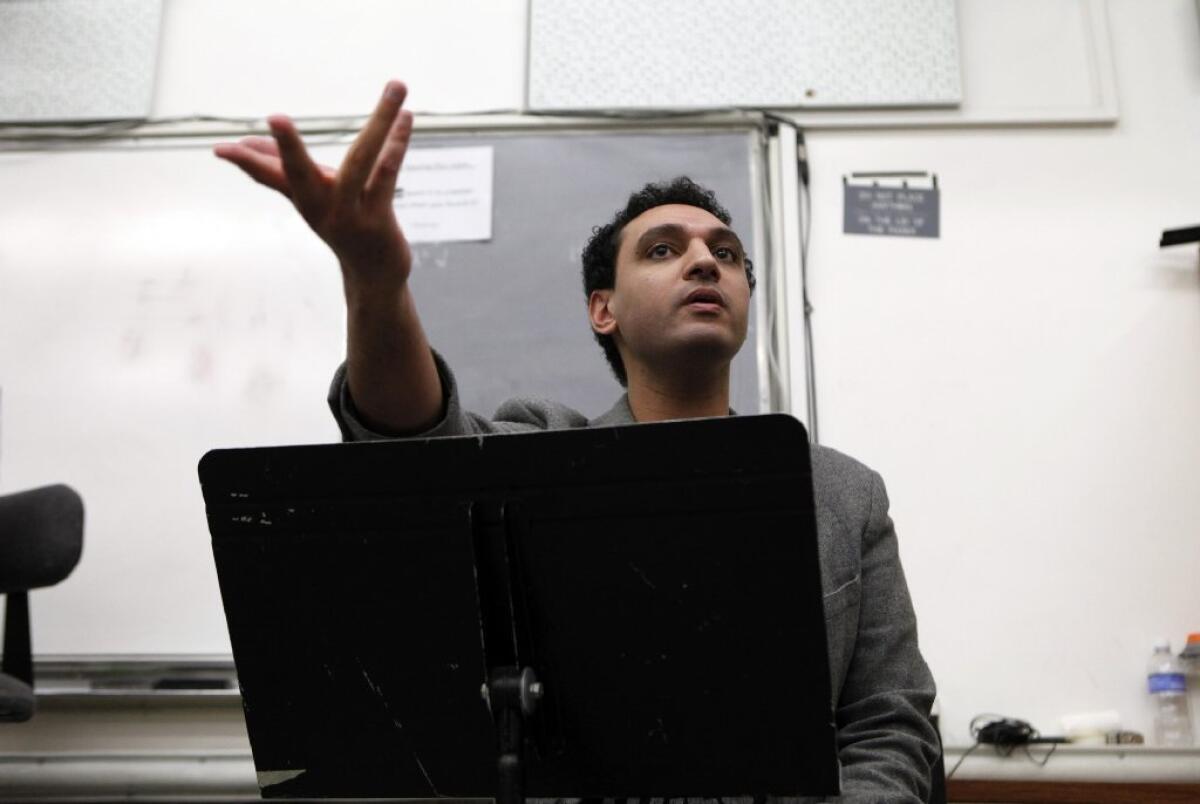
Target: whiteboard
155,304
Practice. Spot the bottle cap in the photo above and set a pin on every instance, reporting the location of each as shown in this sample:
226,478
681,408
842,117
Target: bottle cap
1192,648
1162,643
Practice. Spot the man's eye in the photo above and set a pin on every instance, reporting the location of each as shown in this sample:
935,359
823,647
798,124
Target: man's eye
660,250
724,253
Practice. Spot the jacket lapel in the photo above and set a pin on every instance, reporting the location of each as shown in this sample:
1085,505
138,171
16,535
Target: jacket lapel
617,415
620,414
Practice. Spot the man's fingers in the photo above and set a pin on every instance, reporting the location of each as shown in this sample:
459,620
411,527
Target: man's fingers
303,175
381,187
263,168
361,157
268,146
264,145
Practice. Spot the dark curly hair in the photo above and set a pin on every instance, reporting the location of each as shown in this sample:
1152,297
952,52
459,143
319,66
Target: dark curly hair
600,253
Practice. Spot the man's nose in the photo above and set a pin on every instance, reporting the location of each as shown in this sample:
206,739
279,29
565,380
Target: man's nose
701,263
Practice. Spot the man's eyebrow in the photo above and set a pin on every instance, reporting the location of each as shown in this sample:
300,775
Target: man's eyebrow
676,230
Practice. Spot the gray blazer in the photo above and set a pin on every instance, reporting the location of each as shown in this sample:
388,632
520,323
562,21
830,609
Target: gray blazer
882,687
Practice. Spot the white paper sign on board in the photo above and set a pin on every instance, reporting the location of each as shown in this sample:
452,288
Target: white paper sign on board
445,194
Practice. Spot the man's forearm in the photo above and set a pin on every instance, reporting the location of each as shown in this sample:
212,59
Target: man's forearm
887,746
390,370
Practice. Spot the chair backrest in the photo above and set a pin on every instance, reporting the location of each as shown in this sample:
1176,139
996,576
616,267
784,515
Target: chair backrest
41,539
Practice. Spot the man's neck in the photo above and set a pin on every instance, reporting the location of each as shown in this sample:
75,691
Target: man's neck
658,397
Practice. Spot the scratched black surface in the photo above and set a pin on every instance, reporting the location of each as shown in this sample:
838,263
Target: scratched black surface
671,604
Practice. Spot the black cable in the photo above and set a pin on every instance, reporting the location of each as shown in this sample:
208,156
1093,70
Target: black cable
1041,763
810,362
1005,735
966,754
767,277
804,176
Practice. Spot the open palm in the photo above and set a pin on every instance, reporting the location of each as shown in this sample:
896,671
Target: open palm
349,208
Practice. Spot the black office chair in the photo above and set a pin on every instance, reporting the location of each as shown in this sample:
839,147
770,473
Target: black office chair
41,538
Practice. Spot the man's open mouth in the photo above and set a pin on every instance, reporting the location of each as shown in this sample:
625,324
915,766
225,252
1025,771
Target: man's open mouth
705,296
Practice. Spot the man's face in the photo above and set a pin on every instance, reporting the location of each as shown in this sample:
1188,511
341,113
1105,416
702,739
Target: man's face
680,291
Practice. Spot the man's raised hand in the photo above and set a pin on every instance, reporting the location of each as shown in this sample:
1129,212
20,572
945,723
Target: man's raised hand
350,208
390,371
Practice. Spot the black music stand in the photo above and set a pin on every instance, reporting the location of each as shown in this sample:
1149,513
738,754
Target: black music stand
639,609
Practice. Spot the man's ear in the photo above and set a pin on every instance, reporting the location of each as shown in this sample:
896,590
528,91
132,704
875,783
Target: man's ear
600,313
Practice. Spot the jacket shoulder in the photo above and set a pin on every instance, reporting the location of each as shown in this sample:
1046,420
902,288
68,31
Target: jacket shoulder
842,484
540,414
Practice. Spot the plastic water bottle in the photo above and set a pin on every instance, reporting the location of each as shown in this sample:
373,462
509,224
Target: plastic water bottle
1190,657
1168,690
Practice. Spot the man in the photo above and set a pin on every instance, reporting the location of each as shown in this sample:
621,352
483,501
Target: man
669,287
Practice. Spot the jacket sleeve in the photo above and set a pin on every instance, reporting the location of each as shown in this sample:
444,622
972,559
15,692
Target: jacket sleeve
514,416
455,421
886,742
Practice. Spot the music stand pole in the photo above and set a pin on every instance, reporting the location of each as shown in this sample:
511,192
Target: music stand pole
512,696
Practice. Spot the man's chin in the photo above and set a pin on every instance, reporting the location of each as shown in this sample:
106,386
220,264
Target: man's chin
712,339
712,350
